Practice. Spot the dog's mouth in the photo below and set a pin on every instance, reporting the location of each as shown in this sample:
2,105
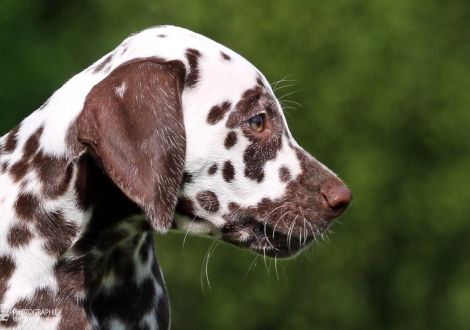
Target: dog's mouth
283,238
266,240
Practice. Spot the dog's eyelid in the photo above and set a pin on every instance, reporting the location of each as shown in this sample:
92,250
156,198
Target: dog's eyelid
256,97
263,113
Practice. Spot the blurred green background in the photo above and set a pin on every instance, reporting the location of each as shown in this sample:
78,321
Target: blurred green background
384,94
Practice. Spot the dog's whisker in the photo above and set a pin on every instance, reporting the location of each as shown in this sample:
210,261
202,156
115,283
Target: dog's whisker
276,83
283,86
253,263
186,234
289,233
306,195
280,218
280,98
314,231
264,258
282,102
205,265
275,267
266,235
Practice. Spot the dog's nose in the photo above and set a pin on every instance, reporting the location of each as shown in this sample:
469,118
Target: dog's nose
336,197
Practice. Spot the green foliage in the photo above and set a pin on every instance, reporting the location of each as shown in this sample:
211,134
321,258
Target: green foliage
384,93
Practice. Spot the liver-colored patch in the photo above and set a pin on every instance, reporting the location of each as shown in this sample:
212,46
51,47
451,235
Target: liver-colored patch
228,171
217,112
213,169
7,266
101,66
192,78
208,201
225,57
230,140
19,236
56,232
284,174
28,207
12,140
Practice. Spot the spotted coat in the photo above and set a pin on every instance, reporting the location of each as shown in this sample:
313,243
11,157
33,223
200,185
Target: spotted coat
170,130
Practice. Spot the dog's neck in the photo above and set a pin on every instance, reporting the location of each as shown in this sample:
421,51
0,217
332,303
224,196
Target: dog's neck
87,254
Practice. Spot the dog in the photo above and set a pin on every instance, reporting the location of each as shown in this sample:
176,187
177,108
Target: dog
170,130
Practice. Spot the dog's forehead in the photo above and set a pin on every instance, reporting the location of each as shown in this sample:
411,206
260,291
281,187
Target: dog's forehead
196,51
213,71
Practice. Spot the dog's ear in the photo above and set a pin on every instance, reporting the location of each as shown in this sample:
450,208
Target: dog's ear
132,122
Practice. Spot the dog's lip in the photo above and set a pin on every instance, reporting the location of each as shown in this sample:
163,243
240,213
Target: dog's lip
263,238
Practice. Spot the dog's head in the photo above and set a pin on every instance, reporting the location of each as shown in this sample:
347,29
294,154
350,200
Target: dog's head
194,127
246,180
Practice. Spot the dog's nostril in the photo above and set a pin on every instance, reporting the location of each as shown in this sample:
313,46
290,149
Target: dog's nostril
337,197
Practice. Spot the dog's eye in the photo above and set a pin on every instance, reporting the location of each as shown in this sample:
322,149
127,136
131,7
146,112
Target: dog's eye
256,123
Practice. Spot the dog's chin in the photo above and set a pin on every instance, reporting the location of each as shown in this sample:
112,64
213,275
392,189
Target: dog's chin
253,234
263,239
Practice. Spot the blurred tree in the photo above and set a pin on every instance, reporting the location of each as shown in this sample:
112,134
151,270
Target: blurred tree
384,94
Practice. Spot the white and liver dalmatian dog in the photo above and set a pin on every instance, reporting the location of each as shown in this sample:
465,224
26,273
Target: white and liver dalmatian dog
169,130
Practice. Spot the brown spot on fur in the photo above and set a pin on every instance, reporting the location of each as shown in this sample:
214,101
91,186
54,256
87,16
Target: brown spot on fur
19,236
32,144
28,207
55,173
228,171
254,162
161,35
57,233
208,201
284,174
225,56
217,112
7,266
11,140
233,207
230,140
213,169
19,169
192,55
101,65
